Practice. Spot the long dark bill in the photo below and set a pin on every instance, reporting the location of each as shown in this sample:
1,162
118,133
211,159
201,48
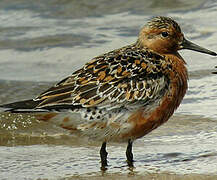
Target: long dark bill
189,45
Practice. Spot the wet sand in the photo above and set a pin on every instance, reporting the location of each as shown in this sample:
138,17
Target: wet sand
182,148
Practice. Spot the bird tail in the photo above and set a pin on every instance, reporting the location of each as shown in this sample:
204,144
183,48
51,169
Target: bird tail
27,106
64,120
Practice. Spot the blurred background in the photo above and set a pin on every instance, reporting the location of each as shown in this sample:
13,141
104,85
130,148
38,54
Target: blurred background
41,42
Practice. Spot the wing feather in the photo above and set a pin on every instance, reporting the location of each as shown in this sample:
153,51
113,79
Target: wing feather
120,77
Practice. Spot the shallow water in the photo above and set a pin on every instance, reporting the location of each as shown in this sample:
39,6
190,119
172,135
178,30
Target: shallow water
42,42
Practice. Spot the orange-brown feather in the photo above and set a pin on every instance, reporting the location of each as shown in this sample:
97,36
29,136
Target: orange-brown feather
144,123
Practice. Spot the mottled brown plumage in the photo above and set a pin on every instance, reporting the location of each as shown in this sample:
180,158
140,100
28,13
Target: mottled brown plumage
119,78
124,94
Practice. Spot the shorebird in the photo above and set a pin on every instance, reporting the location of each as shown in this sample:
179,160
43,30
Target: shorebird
121,95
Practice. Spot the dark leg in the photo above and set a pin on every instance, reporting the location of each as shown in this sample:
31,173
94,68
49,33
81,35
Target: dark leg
103,155
129,153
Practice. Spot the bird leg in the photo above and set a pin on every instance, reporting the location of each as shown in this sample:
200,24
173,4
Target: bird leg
129,153
103,155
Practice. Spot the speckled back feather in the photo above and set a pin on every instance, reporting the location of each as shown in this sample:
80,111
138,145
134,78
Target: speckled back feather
121,77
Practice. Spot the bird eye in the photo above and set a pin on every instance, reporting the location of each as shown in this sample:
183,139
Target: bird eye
165,34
